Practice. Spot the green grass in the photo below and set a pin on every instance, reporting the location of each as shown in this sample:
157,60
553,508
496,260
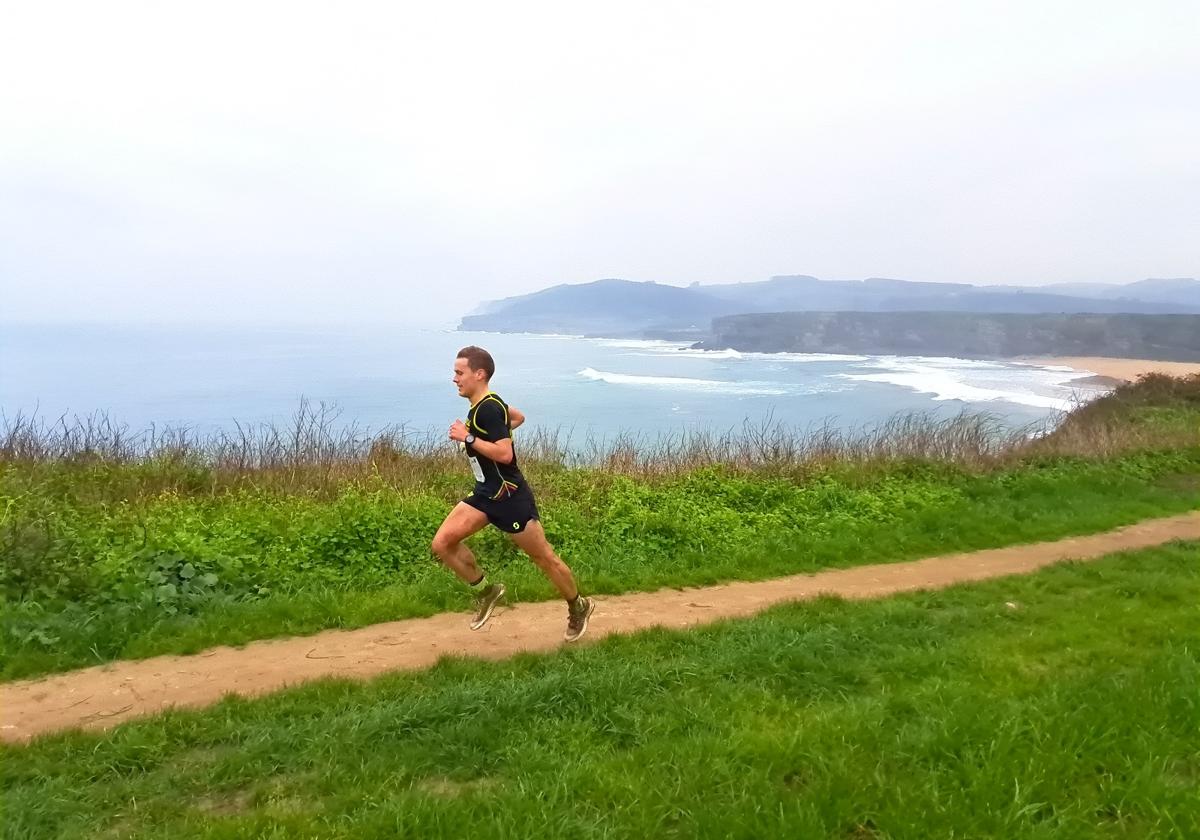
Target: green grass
91,579
115,545
1061,704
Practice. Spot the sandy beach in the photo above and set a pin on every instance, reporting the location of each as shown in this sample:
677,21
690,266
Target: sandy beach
1121,369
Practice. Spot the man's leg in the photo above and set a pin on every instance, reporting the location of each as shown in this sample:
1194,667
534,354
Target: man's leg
533,542
448,545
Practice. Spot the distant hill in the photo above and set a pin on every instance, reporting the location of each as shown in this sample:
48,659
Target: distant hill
626,308
605,307
1183,291
962,334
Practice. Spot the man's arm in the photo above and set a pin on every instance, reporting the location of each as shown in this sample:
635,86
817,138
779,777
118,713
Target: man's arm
501,451
489,419
515,417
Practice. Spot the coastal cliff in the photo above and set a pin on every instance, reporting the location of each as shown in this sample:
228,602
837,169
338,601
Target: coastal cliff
962,334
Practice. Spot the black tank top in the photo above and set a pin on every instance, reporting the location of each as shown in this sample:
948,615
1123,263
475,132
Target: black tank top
488,420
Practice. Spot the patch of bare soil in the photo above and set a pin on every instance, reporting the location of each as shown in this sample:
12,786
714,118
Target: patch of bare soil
1122,370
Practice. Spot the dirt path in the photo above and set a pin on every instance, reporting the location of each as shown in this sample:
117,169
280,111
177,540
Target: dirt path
103,696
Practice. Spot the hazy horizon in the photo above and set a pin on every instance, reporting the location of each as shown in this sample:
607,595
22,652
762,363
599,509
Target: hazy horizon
403,320
279,164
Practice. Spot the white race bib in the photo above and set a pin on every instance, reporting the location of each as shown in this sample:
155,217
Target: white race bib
475,468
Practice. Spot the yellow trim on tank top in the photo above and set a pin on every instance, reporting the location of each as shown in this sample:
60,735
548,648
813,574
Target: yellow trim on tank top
474,405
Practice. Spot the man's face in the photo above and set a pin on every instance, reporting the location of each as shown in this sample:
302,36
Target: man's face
464,377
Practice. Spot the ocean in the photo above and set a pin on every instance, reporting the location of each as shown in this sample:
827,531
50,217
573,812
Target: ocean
374,377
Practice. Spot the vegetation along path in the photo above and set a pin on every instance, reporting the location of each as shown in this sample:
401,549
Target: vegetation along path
103,696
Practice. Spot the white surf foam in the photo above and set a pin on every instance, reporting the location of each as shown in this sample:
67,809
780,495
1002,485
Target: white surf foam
804,358
547,335
639,343
687,383
947,388
970,381
748,355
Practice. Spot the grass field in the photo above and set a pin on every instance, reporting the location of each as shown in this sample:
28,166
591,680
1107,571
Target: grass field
114,550
1062,704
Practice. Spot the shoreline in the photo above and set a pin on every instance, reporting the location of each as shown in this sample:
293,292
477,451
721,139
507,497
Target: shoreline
1116,369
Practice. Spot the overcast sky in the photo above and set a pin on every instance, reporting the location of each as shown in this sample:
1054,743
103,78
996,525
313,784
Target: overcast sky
294,161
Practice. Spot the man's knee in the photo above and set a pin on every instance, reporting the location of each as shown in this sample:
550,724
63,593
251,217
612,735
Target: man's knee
543,555
443,545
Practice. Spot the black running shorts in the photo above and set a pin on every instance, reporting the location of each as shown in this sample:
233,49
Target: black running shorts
510,515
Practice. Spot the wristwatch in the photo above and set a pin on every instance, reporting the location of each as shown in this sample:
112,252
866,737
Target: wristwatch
470,438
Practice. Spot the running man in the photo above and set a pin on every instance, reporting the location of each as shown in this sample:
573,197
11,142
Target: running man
501,497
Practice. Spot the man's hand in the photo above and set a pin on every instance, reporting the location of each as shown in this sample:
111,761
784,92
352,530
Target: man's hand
458,431
515,417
